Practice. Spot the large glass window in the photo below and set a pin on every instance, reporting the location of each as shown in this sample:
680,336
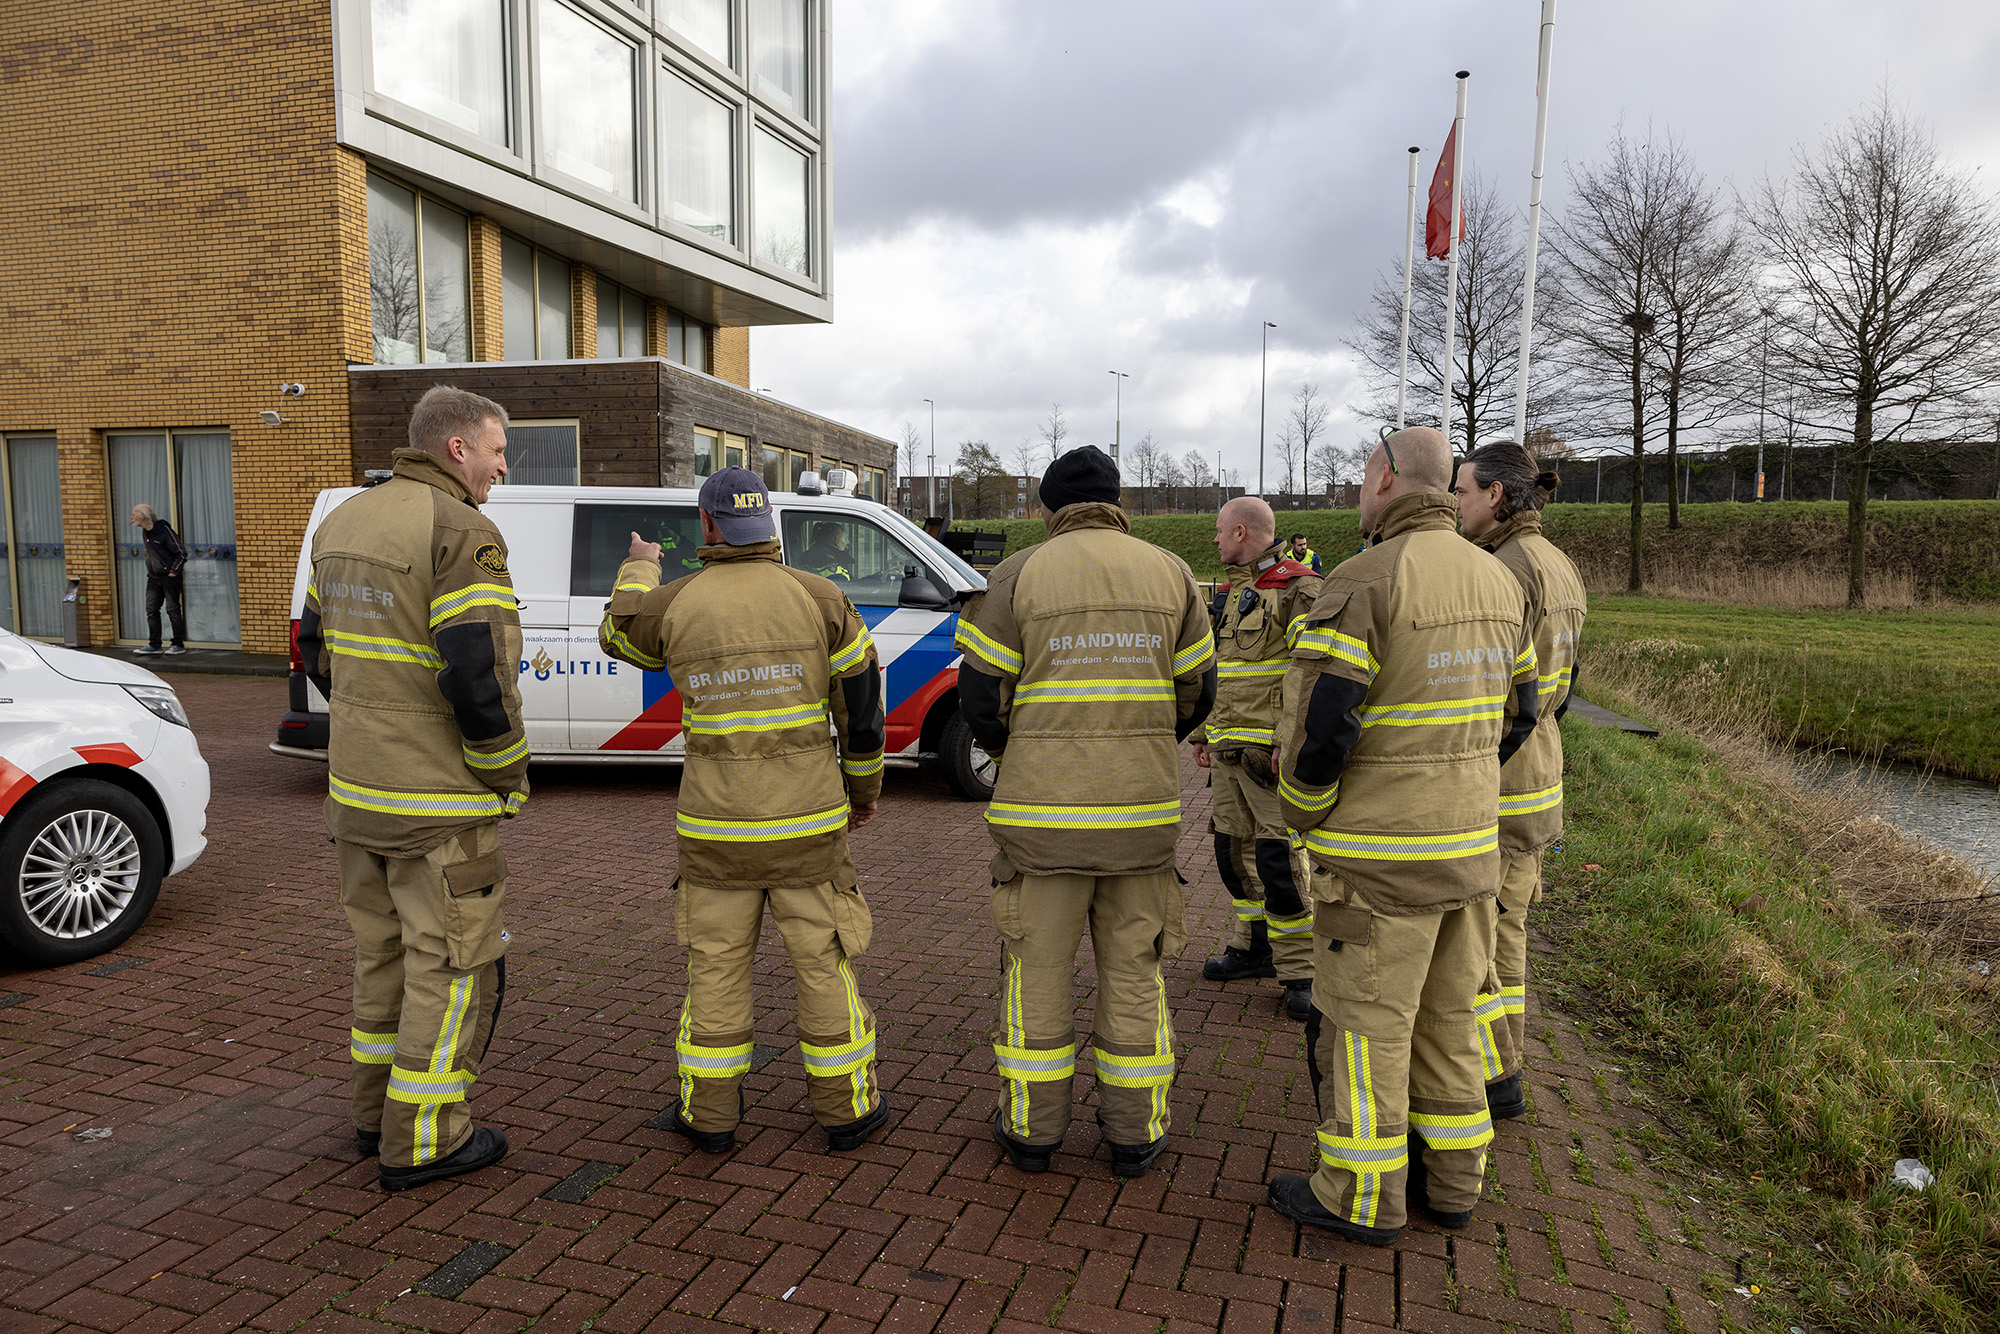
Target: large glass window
419,277
31,590
186,476
778,45
780,204
702,22
542,453
552,306
687,342
589,79
621,321
517,298
782,467
715,450
446,58
699,139
867,563
602,538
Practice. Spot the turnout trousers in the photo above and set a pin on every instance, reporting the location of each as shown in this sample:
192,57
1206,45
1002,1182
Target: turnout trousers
429,976
825,930
1135,921
1503,1003
1253,851
1393,1050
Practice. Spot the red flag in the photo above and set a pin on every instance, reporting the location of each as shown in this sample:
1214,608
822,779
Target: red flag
1437,239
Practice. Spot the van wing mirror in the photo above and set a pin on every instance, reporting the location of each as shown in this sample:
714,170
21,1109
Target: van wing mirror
920,594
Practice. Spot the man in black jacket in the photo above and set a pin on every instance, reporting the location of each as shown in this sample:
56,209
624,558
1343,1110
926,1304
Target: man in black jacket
165,559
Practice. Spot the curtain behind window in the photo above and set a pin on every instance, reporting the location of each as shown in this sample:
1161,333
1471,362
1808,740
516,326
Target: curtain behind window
208,529
138,476
34,487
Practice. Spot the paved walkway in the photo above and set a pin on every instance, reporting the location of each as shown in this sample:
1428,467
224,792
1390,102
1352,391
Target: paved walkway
228,1194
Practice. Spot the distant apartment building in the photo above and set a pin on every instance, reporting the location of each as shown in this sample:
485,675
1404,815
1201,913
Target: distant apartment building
241,237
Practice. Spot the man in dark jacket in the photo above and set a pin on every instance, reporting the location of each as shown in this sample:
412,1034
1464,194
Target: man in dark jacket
165,558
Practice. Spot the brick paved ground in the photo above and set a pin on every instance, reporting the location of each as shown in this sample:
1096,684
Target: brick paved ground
229,1194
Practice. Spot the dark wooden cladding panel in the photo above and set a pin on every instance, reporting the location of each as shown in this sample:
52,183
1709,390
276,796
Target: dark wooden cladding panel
635,419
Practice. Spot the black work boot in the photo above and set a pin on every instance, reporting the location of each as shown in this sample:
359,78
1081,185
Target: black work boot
485,1147
1293,1197
1025,1157
368,1142
1299,1000
855,1133
708,1141
1132,1160
1504,1099
1417,1190
1233,965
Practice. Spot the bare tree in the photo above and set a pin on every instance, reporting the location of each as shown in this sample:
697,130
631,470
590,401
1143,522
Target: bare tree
1054,430
1307,419
1027,458
1897,257
911,450
1325,465
1487,340
1604,292
1143,469
1290,451
1172,476
1703,278
1199,471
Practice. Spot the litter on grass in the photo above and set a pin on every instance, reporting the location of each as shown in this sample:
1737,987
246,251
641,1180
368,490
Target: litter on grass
1909,1172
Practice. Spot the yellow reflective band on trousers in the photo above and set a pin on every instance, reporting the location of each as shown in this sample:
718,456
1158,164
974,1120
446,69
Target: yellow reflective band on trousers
1099,691
861,768
843,1059
1028,1067
472,595
371,1048
1242,736
1514,999
1163,1048
1248,910
499,759
1527,803
1288,928
1336,645
755,831
1245,671
857,1022
1041,816
1403,847
617,639
851,656
1035,1065
1487,1010
1134,1072
1194,655
1467,1130
438,1083
347,645
1363,1153
1431,715
992,652
415,803
712,1062
1304,800
755,720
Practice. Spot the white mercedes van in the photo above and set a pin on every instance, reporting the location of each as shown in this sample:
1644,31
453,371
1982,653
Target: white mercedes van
565,544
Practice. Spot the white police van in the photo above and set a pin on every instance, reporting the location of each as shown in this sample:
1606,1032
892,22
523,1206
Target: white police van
565,544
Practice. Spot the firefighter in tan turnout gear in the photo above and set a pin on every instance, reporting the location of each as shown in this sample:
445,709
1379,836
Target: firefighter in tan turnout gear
1500,495
1267,592
1087,661
762,654
410,630
1396,730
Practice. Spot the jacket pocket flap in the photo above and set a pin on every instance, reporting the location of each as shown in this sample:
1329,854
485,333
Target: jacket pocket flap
470,877
1470,616
365,557
1347,924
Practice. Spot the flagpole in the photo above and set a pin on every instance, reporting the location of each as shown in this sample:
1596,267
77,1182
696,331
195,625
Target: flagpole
1409,253
1534,218
1451,268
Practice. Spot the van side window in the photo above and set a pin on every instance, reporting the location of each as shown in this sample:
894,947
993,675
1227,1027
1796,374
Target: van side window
604,535
866,562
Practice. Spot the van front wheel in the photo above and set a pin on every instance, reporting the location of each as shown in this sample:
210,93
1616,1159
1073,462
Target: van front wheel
969,769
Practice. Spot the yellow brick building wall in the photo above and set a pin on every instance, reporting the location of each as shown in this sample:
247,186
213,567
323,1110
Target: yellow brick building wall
181,235
730,353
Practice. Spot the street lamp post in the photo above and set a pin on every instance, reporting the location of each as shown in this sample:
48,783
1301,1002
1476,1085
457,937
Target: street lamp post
1263,382
1117,411
932,479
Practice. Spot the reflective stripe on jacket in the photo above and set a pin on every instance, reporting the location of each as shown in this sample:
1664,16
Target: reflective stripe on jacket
1252,654
1435,630
1531,793
1101,646
763,655
411,630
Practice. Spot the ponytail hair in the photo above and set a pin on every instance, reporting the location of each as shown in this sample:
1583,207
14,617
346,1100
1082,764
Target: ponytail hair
1524,485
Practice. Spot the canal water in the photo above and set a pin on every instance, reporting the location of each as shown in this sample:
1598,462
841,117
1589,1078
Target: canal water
1955,815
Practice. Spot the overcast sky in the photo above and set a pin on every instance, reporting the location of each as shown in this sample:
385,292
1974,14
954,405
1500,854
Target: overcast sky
1028,194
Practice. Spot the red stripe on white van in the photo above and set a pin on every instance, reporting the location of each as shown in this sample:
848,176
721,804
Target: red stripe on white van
15,783
905,724
651,730
116,752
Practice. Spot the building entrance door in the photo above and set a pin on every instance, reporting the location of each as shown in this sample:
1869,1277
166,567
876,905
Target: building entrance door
187,477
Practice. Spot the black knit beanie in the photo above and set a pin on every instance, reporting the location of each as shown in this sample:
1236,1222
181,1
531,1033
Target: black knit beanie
1082,475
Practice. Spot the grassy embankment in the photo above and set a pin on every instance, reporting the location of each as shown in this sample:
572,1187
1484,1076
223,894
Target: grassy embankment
1794,1045
1784,554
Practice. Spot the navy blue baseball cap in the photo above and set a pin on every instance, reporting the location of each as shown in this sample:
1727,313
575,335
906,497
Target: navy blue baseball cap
736,499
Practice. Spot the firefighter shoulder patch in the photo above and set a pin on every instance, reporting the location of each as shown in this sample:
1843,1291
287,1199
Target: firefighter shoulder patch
490,558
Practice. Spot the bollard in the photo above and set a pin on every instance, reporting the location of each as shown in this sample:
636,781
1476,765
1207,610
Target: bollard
72,635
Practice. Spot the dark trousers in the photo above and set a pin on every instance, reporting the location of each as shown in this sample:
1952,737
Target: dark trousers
164,588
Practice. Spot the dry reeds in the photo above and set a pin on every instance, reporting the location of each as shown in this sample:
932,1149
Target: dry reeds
1762,586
